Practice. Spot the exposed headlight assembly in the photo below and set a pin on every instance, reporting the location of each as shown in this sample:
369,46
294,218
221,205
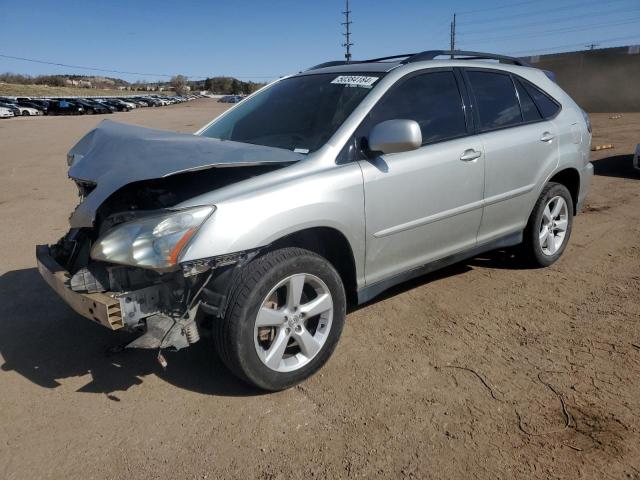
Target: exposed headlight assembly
151,242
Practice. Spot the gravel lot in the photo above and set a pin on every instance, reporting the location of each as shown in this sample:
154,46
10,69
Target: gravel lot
472,372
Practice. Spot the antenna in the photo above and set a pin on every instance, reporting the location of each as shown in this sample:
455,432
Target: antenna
347,33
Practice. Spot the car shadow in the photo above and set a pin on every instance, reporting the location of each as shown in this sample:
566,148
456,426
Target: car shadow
45,341
505,258
502,259
620,166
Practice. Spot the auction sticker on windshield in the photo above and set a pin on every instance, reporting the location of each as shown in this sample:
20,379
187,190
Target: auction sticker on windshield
355,80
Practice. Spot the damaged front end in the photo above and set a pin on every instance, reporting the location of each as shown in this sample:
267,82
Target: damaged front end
120,265
169,308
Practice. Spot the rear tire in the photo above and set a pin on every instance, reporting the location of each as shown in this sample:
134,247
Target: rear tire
549,227
247,339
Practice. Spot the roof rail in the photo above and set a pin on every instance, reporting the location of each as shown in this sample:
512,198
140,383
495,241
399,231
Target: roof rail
429,55
392,57
432,54
335,63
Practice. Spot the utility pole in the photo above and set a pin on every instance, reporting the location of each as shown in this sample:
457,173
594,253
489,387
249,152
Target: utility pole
347,33
592,46
452,45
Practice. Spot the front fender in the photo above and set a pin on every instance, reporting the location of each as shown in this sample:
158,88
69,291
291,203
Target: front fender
333,198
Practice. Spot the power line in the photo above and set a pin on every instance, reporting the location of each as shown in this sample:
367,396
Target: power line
122,72
541,12
553,21
581,44
82,67
497,7
443,24
558,30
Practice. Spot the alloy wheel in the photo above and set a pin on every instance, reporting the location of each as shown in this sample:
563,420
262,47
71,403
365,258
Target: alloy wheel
293,322
553,227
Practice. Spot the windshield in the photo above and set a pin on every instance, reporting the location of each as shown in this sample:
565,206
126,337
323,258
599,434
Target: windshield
298,113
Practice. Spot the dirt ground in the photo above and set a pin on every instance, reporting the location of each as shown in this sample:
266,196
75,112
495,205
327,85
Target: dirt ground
484,370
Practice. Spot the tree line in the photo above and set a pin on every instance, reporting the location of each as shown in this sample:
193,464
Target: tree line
221,85
179,83
230,86
60,80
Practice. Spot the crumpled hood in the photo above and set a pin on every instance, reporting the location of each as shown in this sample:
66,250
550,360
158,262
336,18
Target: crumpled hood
115,154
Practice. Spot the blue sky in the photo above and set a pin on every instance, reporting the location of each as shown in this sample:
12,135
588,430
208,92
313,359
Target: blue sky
260,40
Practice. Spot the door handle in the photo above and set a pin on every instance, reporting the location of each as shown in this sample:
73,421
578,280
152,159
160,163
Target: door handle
547,137
470,155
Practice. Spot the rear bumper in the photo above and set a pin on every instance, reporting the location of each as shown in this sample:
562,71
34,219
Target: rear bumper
97,307
585,180
636,158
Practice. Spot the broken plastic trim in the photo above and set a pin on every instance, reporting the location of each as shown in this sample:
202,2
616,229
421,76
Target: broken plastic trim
196,267
224,271
176,329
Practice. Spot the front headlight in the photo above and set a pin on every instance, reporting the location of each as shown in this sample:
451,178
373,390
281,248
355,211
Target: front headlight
151,242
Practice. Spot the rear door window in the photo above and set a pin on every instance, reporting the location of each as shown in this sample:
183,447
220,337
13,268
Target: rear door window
432,99
496,100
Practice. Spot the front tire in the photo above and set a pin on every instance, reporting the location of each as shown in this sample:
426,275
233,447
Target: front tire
549,227
285,316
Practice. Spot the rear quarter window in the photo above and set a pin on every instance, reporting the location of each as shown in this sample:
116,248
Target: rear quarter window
530,112
547,107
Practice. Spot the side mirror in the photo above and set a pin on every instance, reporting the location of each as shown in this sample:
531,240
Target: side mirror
393,136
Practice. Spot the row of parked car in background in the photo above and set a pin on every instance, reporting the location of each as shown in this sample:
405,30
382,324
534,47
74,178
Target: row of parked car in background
231,99
31,106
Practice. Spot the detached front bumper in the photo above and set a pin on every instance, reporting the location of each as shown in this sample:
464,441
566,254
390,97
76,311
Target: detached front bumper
98,307
151,307
166,307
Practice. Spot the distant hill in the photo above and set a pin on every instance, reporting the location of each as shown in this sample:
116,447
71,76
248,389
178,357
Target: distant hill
21,90
84,81
222,85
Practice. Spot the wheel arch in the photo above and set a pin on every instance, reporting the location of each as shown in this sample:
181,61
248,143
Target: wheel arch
331,244
570,178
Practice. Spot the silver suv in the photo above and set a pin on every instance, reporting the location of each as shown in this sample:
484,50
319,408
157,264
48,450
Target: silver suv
320,191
